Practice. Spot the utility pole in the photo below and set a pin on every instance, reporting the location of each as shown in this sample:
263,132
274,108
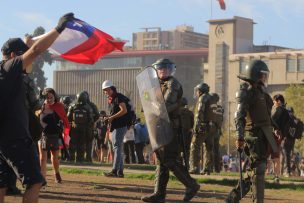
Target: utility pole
228,144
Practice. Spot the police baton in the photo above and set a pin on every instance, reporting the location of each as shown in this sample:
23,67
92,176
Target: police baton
240,150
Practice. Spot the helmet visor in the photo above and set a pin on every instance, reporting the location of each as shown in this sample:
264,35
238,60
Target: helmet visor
264,75
169,66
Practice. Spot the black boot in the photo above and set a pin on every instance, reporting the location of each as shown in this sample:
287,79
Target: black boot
233,197
112,173
184,177
161,180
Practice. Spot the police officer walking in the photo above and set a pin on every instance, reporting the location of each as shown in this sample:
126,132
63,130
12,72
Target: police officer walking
254,130
80,115
169,155
202,131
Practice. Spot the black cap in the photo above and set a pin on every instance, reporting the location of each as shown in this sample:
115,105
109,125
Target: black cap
15,45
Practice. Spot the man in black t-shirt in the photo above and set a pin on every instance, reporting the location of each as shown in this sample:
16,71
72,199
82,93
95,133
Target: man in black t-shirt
118,121
18,153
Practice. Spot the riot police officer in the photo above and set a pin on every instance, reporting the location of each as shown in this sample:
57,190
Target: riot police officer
253,129
66,100
80,115
202,131
91,128
169,155
217,119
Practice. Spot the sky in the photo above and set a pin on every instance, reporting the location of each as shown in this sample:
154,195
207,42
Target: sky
279,22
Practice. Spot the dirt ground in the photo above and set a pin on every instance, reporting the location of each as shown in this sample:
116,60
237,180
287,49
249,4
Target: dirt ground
87,188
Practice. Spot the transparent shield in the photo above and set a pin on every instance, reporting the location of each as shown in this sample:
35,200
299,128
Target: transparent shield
152,100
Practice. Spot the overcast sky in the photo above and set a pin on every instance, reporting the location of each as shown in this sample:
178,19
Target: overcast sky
279,22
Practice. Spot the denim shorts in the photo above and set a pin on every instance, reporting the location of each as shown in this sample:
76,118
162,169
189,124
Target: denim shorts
19,156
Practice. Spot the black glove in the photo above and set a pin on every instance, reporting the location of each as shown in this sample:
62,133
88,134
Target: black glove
63,21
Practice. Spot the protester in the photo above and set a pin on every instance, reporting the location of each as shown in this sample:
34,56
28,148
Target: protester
302,167
118,121
141,139
100,147
129,146
279,118
17,151
54,122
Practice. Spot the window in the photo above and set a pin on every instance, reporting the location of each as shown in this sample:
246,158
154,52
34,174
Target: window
290,65
301,65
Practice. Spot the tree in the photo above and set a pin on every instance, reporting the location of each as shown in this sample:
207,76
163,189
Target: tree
38,73
294,96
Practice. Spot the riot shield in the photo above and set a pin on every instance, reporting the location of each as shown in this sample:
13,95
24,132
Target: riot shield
153,104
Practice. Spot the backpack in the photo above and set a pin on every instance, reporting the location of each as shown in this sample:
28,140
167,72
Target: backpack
130,115
214,112
296,127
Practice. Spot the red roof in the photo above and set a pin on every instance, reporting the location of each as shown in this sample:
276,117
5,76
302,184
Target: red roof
201,51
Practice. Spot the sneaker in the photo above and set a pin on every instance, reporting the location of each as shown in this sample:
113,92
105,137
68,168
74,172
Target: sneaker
203,172
110,174
276,180
120,174
287,175
58,178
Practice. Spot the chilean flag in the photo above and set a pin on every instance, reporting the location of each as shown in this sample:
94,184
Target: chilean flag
82,43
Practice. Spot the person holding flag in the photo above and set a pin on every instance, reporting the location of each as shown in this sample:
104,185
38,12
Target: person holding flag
18,152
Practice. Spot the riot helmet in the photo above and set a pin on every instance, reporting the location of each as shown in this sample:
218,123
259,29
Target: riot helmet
256,72
202,88
66,100
81,98
88,96
215,96
164,68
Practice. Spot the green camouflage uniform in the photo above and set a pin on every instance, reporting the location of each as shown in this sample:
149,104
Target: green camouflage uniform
253,124
169,155
89,138
203,131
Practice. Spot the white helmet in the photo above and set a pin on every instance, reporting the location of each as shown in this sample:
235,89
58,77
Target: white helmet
106,84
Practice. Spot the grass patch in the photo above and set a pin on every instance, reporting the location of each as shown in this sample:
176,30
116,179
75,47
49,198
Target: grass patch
151,176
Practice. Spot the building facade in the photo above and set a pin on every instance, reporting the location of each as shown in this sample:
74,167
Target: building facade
182,37
231,48
122,68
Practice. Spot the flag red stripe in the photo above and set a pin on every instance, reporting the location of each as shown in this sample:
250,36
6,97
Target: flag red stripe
98,45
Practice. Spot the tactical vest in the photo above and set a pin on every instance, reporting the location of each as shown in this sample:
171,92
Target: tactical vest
259,111
164,85
81,116
212,113
209,116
